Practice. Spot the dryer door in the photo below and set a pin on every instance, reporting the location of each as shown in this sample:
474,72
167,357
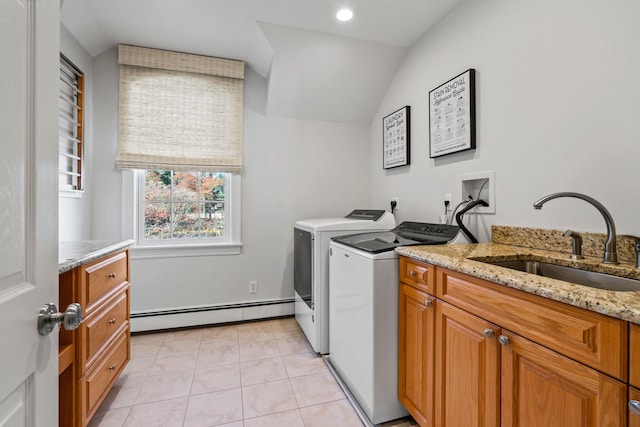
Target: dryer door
303,265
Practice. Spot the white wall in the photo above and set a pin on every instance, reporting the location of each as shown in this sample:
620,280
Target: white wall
74,219
293,169
557,110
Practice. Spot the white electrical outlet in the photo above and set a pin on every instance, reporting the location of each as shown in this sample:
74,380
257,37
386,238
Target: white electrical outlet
253,287
448,197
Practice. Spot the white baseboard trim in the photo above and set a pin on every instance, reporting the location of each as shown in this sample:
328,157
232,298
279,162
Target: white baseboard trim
198,316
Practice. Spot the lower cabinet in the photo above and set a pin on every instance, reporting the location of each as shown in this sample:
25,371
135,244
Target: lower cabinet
457,369
93,356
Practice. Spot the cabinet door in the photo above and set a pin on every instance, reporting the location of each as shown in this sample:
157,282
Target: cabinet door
416,327
634,419
543,388
467,369
634,355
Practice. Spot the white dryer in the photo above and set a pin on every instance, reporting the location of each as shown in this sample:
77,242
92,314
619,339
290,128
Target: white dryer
311,267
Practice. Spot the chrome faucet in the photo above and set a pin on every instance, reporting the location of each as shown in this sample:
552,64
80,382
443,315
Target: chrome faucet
610,255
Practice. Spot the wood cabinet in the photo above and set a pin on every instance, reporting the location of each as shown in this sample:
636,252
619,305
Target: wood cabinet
540,387
634,419
506,357
416,353
93,356
634,355
467,369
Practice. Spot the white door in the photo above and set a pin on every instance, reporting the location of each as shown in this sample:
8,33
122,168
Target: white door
29,48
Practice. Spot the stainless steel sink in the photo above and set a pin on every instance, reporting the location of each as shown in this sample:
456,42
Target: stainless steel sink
573,275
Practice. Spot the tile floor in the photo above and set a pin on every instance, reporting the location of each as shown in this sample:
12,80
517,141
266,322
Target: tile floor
245,375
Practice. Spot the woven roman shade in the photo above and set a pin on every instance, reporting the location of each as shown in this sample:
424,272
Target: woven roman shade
179,111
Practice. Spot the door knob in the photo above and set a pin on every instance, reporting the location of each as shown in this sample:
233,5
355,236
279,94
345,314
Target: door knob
49,317
503,340
634,407
488,333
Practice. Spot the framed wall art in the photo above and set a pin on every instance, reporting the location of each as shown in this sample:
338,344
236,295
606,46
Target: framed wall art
395,138
452,115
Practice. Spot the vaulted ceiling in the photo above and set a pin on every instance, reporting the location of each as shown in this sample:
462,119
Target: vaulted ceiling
314,66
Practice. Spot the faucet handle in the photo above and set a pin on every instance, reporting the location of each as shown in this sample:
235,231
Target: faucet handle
576,244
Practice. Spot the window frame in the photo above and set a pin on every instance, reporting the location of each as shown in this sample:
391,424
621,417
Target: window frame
78,170
133,223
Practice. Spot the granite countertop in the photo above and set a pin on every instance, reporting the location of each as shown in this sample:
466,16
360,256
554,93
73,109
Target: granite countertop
77,253
467,258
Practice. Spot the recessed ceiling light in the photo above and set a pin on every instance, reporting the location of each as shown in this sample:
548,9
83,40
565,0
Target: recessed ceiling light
344,15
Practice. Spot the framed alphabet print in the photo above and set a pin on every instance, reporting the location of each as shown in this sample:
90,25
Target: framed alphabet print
452,116
395,138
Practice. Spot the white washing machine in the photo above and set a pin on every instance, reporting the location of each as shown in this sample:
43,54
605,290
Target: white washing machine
311,267
363,314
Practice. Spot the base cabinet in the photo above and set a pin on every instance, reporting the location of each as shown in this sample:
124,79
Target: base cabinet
477,372
92,357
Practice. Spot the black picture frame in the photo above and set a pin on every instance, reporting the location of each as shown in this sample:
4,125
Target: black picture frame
396,144
452,115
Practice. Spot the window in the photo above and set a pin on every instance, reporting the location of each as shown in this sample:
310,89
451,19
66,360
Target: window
180,120
70,135
176,213
184,205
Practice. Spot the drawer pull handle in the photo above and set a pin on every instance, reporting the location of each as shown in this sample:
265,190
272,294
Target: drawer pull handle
488,333
112,367
634,407
112,275
112,321
503,340
412,273
428,302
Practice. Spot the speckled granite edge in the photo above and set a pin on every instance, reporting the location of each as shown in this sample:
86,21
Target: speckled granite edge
554,240
75,254
465,258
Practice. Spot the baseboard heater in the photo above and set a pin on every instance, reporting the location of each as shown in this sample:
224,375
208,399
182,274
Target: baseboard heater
210,315
211,308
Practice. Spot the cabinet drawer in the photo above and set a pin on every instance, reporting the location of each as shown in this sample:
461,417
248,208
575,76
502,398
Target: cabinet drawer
101,278
598,341
97,382
100,328
418,274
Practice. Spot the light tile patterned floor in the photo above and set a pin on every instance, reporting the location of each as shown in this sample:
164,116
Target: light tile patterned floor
256,374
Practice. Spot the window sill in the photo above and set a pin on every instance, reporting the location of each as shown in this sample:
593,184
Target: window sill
177,251
72,194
